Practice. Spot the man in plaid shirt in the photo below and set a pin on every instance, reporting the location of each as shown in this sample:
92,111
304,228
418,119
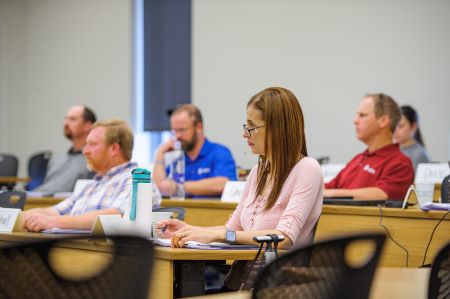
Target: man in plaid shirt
108,153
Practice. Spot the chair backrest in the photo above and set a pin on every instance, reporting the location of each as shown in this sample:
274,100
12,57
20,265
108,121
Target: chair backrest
323,160
179,211
445,190
37,169
439,282
30,271
9,165
12,199
320,270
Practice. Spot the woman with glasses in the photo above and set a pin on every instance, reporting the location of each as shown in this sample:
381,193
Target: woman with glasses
283,192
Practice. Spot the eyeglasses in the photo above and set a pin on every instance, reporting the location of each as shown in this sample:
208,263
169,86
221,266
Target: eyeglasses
249,131
180,130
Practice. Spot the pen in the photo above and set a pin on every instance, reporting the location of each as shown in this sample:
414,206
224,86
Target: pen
163,229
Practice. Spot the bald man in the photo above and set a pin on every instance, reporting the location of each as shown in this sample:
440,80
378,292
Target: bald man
65,171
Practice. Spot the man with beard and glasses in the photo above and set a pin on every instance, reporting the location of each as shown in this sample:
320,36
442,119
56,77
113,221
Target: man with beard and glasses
65,171
208,165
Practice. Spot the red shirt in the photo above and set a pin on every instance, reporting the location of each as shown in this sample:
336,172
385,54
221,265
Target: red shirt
386,168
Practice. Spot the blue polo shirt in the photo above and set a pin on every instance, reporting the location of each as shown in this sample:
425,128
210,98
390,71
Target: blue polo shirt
214,160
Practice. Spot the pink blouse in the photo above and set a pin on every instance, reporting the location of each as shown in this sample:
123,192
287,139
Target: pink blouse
294,213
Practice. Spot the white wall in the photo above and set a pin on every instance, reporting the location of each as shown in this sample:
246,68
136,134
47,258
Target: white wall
330,54
57,53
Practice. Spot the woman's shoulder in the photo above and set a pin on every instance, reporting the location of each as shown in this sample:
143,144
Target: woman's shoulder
418,151
307,165
308,162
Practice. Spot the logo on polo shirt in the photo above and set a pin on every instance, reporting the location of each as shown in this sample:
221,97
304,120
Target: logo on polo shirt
201,171
369,169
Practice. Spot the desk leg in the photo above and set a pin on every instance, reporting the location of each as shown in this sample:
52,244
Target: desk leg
162,286
189,278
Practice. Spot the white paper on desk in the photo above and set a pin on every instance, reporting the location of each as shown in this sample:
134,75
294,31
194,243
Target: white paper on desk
56,230
62,194
436,206
188,244
210,246
36,194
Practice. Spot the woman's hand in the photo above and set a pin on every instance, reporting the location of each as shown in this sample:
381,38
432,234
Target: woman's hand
193,233
170,226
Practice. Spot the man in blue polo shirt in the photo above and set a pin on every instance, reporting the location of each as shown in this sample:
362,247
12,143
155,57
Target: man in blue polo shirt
208,165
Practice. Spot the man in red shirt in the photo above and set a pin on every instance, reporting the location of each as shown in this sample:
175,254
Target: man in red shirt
381,171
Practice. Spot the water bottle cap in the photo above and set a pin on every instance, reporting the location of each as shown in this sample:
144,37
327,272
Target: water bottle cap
177,145
141,174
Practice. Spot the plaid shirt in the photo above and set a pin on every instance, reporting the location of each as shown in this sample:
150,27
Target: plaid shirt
110,191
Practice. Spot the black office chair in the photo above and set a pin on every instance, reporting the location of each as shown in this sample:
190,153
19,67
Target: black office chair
323,160
9,165
179,211
439,282
37,169
251,269
12,199
445,190
320,270
31,271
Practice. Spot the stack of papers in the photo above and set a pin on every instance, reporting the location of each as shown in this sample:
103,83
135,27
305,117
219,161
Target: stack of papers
36,194
210,246
435,206
62,194
56,230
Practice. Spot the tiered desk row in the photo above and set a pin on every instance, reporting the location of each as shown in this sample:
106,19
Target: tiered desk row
412,228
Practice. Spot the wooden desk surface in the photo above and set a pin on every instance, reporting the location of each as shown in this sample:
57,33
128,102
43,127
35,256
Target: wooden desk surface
165,253
412,228
41,202
13,179
399,283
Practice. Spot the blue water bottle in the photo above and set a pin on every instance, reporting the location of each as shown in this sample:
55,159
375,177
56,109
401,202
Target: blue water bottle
139,176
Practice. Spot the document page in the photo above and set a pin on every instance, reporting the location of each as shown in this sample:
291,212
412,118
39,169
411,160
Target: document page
56,230
210,246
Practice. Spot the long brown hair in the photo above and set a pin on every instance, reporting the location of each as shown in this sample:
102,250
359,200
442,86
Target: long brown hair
284,140
413,118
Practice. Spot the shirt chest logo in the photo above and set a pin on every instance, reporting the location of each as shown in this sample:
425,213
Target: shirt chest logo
201,171
369,169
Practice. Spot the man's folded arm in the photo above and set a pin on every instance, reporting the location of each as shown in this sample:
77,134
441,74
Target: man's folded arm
84,221
360,193
209,186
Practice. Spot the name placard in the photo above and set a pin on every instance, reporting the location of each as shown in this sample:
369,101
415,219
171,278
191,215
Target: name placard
330,171
431,172
106,225
10,220
233,191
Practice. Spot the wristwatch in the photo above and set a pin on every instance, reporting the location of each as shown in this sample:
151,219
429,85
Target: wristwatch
230,236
